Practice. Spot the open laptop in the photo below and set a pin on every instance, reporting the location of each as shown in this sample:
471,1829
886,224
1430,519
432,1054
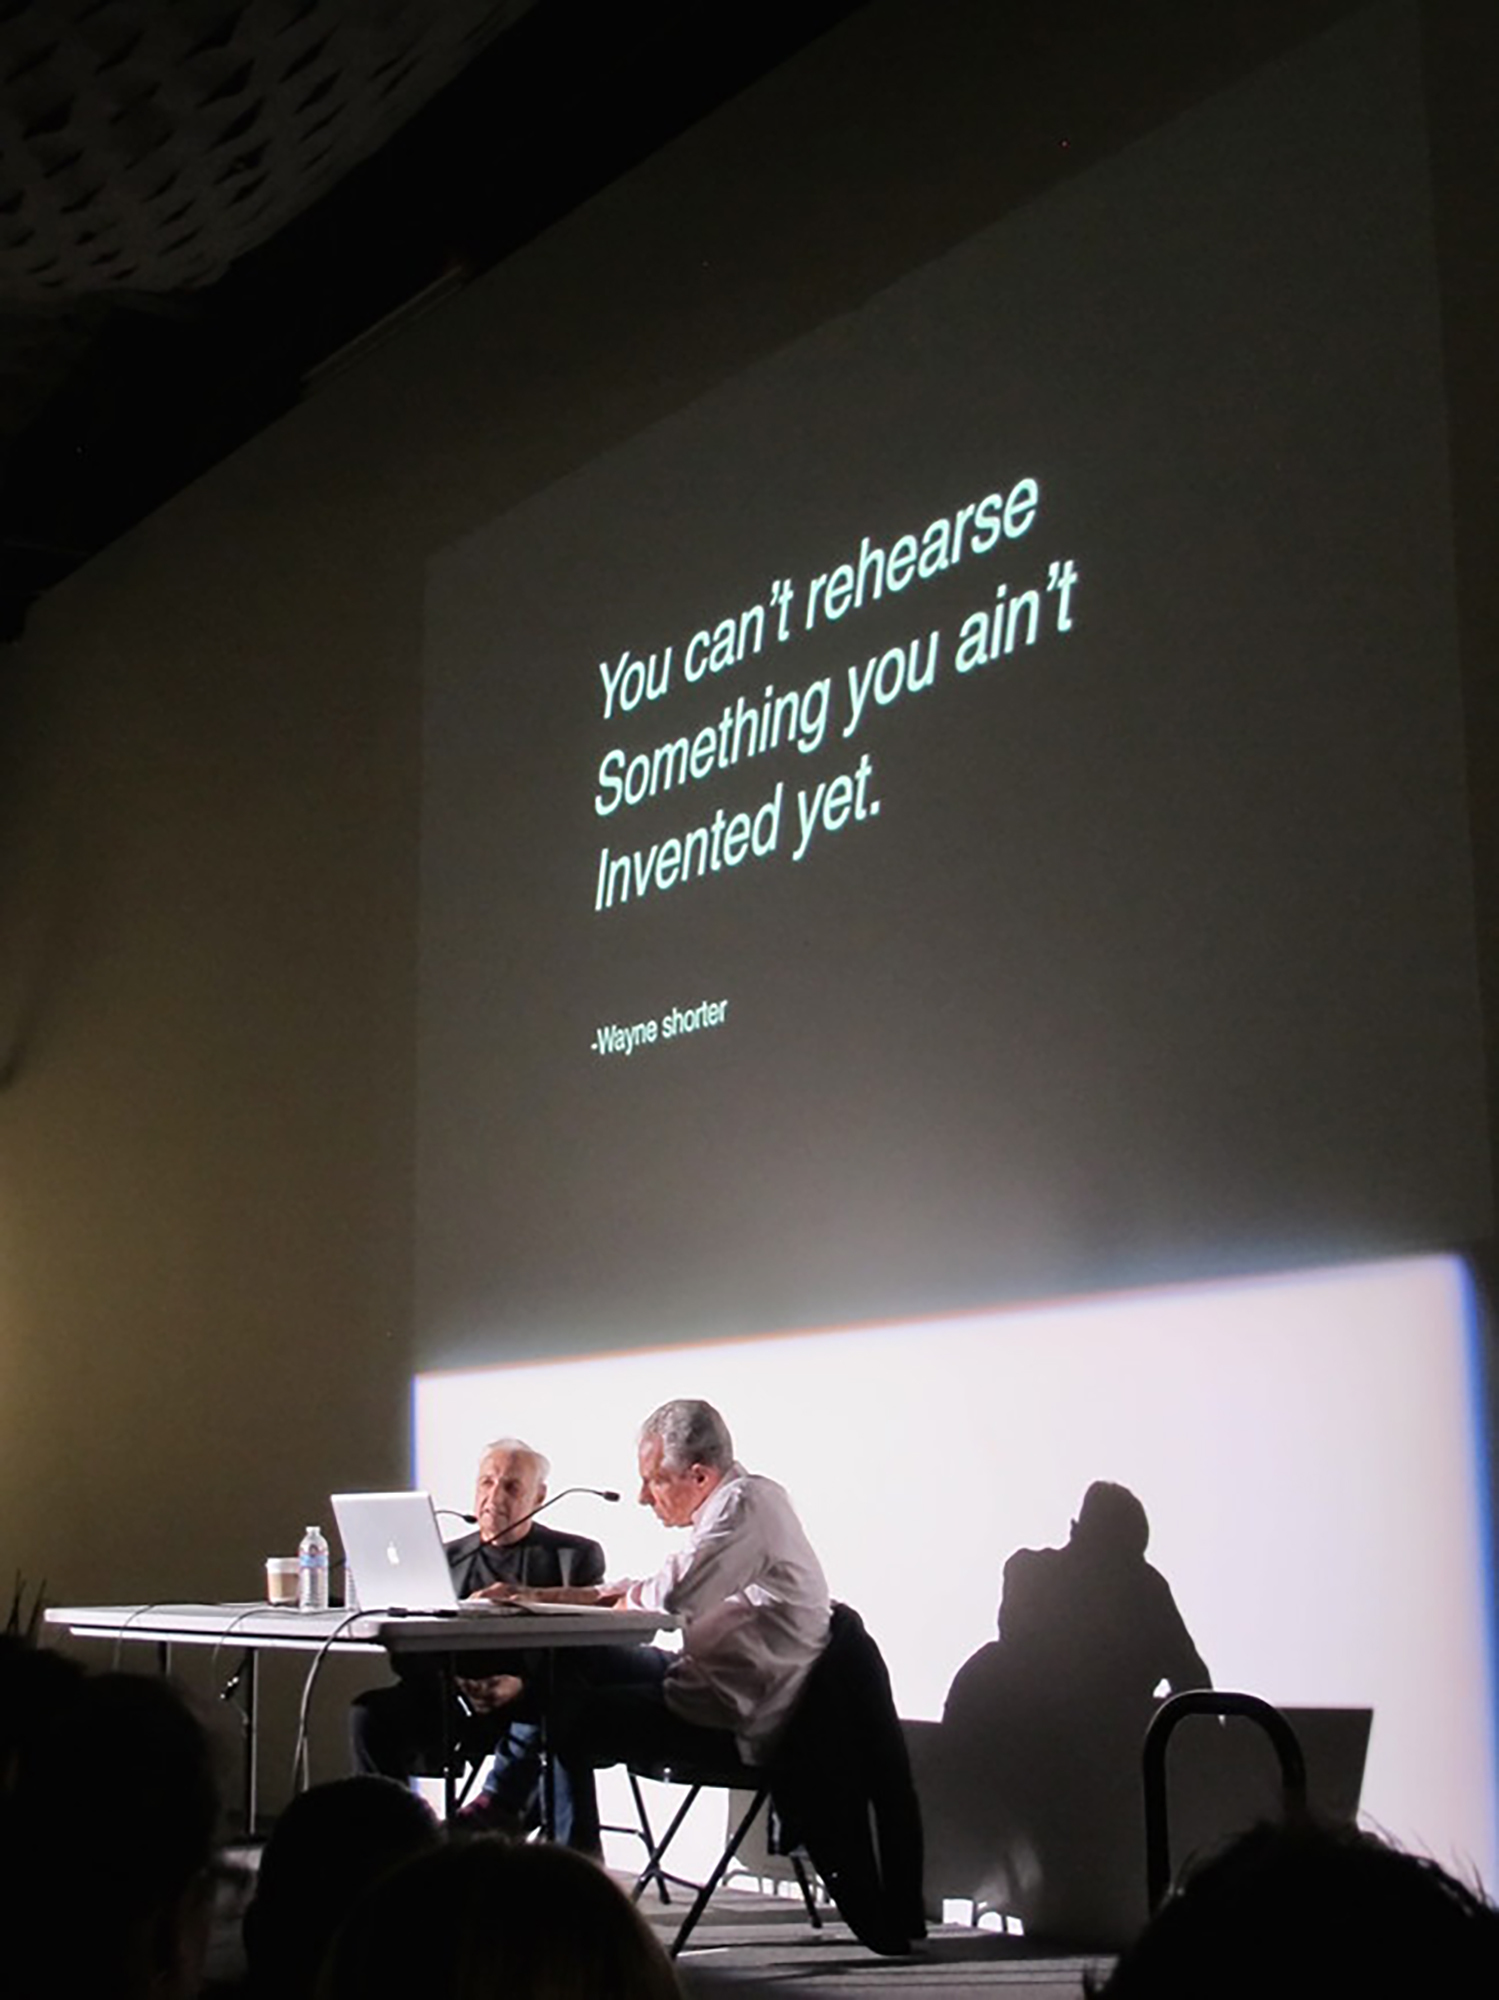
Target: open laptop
395,1554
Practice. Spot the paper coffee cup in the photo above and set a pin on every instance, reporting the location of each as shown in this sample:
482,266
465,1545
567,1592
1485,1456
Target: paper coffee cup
281,1580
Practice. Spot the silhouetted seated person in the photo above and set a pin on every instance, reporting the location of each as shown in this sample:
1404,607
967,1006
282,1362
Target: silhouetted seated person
126,1914
1042,1729
1305,1911
327,1848
489,1919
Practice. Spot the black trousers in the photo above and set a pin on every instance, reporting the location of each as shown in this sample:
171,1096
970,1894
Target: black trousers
611,1709
405,1730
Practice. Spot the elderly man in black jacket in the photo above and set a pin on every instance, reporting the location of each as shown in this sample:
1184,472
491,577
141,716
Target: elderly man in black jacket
404,1729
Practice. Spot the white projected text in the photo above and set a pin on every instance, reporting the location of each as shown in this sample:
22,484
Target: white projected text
808,715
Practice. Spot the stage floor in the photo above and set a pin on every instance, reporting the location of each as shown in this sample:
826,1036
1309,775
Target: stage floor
748,1944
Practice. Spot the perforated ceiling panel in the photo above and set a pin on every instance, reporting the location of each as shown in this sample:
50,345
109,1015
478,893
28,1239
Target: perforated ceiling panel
145,146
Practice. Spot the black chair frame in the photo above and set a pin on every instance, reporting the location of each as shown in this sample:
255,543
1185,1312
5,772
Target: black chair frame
698,1779
1175,1710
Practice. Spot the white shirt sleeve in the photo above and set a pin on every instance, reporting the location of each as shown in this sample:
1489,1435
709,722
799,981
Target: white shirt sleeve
725,1554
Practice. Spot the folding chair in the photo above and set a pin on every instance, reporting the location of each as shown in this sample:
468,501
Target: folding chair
1208,1701
731,1775
841,1781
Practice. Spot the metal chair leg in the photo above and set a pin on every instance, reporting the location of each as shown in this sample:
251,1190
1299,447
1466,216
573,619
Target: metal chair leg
648,1836
720,1869
653,1871
809,1895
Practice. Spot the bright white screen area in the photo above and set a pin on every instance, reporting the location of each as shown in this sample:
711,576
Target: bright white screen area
1304,1447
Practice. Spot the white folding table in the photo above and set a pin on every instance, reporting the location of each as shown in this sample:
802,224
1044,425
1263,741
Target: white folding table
546,1629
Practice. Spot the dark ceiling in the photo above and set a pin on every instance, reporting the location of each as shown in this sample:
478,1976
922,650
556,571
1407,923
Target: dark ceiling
203,206
207,205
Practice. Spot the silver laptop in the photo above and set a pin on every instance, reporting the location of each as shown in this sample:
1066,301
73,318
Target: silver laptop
395,1554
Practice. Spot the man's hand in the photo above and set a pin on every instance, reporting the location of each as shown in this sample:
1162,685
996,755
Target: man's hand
502,1593
571,1593
490,1692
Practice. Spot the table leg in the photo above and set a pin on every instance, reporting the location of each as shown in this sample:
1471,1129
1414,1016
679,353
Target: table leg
548,1770
251,1686
451,1749
242,1689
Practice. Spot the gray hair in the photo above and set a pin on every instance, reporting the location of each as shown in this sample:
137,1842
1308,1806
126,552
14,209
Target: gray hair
524,1450
691,1433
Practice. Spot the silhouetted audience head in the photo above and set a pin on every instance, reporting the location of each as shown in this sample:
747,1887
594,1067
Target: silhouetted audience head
493,1920
328,1846
35,1685
1302,1910
119,1883
1112,1521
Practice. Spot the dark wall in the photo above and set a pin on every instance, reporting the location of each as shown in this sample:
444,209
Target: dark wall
210,757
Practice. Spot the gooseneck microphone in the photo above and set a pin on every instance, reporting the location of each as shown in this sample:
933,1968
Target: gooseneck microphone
494,1541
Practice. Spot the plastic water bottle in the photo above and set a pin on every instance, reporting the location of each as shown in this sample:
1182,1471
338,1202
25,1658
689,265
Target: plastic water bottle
312,1571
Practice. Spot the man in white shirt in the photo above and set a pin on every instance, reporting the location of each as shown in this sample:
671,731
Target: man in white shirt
749,1589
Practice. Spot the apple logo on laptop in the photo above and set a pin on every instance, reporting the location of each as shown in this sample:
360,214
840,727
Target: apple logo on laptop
392,1555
